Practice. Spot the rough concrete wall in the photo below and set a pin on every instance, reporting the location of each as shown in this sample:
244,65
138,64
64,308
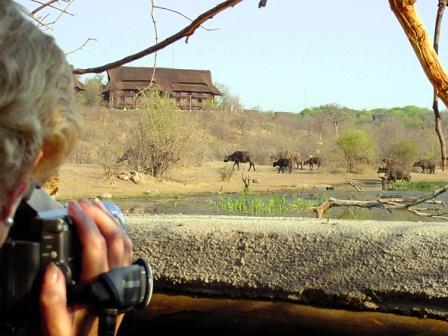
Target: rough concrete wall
399,267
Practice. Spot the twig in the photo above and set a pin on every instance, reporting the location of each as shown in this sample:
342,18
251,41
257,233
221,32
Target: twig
185,32
175,11
153,75
82,46
49,4
246,181
41,21
156,38
354,185
64,11
43,6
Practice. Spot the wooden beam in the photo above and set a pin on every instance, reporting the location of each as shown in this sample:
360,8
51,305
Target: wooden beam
170,312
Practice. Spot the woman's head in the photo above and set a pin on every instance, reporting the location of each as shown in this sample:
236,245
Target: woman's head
36,101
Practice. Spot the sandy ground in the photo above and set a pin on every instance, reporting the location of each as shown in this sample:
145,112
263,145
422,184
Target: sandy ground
89,180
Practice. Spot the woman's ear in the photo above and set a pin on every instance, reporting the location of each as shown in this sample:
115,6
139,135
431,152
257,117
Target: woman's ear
13,199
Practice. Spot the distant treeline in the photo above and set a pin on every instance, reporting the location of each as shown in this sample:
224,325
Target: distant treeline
410,115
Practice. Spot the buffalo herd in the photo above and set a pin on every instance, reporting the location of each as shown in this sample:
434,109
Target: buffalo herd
293,160
392,168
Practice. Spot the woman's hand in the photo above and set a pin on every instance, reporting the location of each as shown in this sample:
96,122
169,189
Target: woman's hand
105,245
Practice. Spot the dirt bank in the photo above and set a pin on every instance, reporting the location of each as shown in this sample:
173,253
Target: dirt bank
89,180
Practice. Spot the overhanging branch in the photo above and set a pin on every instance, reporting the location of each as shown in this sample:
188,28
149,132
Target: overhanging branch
43,5
414,29
186,32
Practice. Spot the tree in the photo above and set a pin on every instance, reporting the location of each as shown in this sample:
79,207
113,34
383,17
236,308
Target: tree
426,53
435,104
227,101
327,116
162,135
243,125
92,94
336,116
356,146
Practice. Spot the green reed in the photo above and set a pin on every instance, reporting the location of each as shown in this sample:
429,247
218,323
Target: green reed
259,205
424,186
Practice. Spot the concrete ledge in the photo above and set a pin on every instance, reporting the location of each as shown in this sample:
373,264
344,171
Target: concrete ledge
395,267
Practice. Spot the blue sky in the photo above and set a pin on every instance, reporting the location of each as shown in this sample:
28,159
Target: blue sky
285,57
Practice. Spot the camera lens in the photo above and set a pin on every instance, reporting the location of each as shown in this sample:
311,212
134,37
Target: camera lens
116,212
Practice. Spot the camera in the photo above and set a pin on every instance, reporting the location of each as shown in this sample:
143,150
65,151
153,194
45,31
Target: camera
43,233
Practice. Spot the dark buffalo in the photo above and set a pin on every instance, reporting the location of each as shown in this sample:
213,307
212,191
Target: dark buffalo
429,165
283,163
241,156
314,160
395,173
295,157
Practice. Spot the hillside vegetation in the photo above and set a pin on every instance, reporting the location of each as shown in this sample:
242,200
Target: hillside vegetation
406,132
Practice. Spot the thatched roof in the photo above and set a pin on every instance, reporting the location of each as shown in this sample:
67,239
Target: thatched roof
174,80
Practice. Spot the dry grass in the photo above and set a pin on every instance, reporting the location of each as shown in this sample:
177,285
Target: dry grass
225,173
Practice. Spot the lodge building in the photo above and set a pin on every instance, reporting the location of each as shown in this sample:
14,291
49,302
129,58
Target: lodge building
191,89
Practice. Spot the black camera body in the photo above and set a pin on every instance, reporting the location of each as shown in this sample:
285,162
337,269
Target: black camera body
43,233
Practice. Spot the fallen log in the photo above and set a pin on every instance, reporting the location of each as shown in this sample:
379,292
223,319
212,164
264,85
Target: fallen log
387,203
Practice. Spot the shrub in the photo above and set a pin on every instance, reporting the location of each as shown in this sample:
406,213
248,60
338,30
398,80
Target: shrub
404,151
356,146
226,173
92,94
163,134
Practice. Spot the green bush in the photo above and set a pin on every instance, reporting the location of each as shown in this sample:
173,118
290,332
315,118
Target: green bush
162,135
405,151
356,146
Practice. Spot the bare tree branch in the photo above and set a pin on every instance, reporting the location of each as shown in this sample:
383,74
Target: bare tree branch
174,11
41,21
49,4
156,38
64,11
185,32
414,29
435,104
82,46
43,6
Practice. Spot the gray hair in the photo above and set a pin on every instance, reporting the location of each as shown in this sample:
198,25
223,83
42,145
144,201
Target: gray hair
36,100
